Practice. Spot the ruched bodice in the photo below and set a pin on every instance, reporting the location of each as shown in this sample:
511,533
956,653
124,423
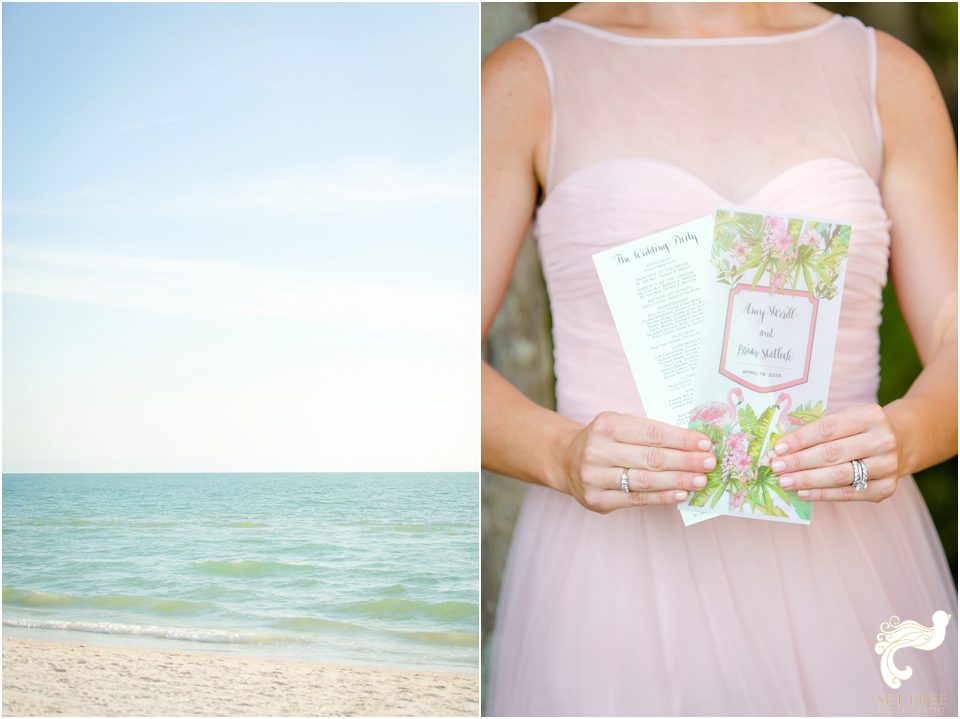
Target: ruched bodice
614,201
631,613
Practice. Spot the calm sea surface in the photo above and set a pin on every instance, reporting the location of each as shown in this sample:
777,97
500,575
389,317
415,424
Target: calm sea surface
354,568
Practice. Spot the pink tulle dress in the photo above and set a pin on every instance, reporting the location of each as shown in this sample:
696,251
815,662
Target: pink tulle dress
631,613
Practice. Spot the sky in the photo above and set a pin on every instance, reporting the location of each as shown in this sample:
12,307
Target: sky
240,237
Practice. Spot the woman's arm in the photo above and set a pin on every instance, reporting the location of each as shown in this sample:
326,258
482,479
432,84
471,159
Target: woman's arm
518,435
919,188
520,438
920,193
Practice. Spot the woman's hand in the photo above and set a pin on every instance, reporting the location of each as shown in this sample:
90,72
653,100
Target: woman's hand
815,459
663,462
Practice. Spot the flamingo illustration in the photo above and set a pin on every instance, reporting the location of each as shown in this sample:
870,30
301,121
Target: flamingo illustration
724,417
785,422
719,414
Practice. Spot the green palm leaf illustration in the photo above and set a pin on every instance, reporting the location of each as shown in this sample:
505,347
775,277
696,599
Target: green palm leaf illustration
712,431
807,279
748,419
759,432
701,497
756,277
719,493
800,507
808,412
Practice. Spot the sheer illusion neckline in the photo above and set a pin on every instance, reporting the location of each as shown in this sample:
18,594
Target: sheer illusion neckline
736,40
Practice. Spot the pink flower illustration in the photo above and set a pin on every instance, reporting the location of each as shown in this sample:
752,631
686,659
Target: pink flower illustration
779,278
774,228
742,464
740,250
736,500
737,442
783,246
811,237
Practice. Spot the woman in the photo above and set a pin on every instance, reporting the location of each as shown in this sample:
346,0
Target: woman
631,118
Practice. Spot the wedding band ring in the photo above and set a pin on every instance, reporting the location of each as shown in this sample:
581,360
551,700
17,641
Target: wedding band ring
859,475
625,481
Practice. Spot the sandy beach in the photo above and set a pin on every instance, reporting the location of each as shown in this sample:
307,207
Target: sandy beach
42,678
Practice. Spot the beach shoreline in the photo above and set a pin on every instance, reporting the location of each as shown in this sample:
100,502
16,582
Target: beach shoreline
47,678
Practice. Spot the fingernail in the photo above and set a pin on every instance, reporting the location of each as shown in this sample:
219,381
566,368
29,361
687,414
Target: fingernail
781,448
786,482
777,465
699,481
704,444
709,463
803,493
680,496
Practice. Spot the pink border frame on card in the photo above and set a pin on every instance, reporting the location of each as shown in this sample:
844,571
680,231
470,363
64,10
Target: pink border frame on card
726,337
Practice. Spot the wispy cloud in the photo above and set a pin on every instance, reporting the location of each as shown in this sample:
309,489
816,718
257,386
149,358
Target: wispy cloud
371,186
212,289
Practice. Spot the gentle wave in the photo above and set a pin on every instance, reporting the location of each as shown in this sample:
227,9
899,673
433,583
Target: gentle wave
409,608
249,567
316,624
68,522
214,636
395,590
457,639
84,522
31,598
414,528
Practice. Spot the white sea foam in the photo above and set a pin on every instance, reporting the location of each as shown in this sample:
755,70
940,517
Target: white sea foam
215,636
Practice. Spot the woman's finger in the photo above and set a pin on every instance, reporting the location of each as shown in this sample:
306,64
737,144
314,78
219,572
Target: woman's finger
827,454
658,459
642,480
877,489
840,475
832,427
640,430
611,500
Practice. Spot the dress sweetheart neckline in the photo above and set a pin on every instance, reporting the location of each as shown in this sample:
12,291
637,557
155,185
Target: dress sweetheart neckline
721,198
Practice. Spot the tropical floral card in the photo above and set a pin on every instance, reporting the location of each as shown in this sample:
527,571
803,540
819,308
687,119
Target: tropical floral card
767,353
729,324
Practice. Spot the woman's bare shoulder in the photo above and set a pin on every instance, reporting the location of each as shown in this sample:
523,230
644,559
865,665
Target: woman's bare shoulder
901,63
514,66
908,95
515,89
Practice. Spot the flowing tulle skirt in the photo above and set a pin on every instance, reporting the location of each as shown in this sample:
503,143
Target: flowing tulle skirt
632,613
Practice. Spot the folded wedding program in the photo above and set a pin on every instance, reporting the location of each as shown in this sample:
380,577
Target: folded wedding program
729,324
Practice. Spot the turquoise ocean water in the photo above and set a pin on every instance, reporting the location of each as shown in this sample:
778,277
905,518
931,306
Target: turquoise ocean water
353,568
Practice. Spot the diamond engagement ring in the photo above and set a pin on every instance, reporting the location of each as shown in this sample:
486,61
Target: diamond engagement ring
625,481
859,475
